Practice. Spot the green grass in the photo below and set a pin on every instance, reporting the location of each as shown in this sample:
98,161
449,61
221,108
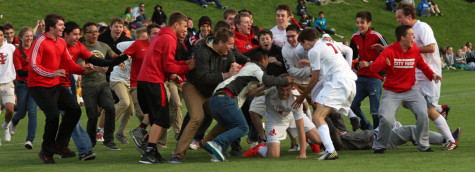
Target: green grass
455,28
457,90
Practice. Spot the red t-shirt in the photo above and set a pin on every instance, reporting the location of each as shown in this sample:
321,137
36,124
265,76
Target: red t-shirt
159,61
74,53
20,62
137,51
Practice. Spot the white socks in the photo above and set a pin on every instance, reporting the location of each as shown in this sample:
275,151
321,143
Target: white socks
438,108
262,151
326,139
444,129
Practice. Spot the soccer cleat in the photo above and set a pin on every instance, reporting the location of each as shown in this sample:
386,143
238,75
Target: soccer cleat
445,111
315,148
294,148
216,149
175,160
148,158
328,156
138,134
6,132
355,123
46,159
194,145
64,152
456,134
111,145
450,145
427,150
252,152
29,145
87,156
379,151
122,139
12,129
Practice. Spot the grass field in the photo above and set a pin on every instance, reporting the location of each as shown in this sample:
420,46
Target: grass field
457,90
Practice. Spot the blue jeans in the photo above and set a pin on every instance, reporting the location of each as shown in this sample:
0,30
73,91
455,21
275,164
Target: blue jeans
25,103
80,137
199,2
218,4
367,87
226,111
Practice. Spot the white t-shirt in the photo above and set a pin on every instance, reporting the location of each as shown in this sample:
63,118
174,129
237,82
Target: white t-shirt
425,36
278,111
291,56
327,58
7,69
279,36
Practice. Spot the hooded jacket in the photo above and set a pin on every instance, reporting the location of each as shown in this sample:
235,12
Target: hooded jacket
241,41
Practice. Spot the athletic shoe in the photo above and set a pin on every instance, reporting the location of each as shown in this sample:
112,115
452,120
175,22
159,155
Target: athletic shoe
122,139
253,144
46,159
175,160
445,111
148,158
253,152
29,145
294,148
315,148
204,6
6,132
138,135
450,145
224,7
427,150
87,156
194,145
379,151
111,145
12,129
456,134
355,123
216,149
64,152
211,3
328,156
99,136
203,147
158,157
235,153
214,158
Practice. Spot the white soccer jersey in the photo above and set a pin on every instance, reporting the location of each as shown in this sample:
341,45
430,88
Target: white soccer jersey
327,58
279,111
425,36
7,69
291,56
279,36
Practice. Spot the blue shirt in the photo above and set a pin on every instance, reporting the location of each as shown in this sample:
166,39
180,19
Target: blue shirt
322,22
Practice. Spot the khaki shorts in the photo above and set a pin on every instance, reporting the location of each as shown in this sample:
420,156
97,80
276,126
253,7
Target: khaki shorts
7,93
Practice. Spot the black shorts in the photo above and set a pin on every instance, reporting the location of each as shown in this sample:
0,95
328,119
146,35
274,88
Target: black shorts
152,99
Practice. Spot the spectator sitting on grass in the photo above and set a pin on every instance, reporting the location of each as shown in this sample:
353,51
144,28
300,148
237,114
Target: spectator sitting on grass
391,5
424,8
460,60
306,21
449,57
321,25
434,8
301,8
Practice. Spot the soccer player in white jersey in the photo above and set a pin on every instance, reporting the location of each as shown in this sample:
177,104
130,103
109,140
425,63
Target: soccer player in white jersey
425,40
279,112
338,89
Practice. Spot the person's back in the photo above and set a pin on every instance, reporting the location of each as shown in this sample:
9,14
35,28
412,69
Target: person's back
330,61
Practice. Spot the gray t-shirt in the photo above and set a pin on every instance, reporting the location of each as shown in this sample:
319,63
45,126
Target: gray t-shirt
94,79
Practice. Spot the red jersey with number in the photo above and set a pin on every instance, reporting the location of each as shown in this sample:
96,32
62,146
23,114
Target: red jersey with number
137,52
20,62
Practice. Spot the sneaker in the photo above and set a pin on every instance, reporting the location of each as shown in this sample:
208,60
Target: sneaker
211,3
148,158
29,145
46,159
445,111
12,129
87,156
450,145
64,152
158,157
379,151
253,152
315,148
294,148
6,132
204,6
235,153
111,145
99,137
175,160
122,139
138,135
142,149
355,123
224,7
194,145
427,150
456,134
214,158
329,156
216,149
202,146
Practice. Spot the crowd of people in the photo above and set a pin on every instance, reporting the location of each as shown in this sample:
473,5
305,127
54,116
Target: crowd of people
297,77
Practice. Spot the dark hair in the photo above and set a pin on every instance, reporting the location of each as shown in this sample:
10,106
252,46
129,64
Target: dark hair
127,10
158,6
70,26
177,17
402,31
221,25
449,47
308,34
293,27
245,11
151,26
466,44
2,29
366,15
102,29
189,18
283,76
228,12
407,9
321,12
51,20
87,25
264,32
223,36
8,26
237,19
258,54
284,7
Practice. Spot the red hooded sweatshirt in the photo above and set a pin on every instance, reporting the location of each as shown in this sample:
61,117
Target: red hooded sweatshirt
241,41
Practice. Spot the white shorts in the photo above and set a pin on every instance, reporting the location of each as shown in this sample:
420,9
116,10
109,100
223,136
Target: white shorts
430,90
277,131
7,93
337,93
258,105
